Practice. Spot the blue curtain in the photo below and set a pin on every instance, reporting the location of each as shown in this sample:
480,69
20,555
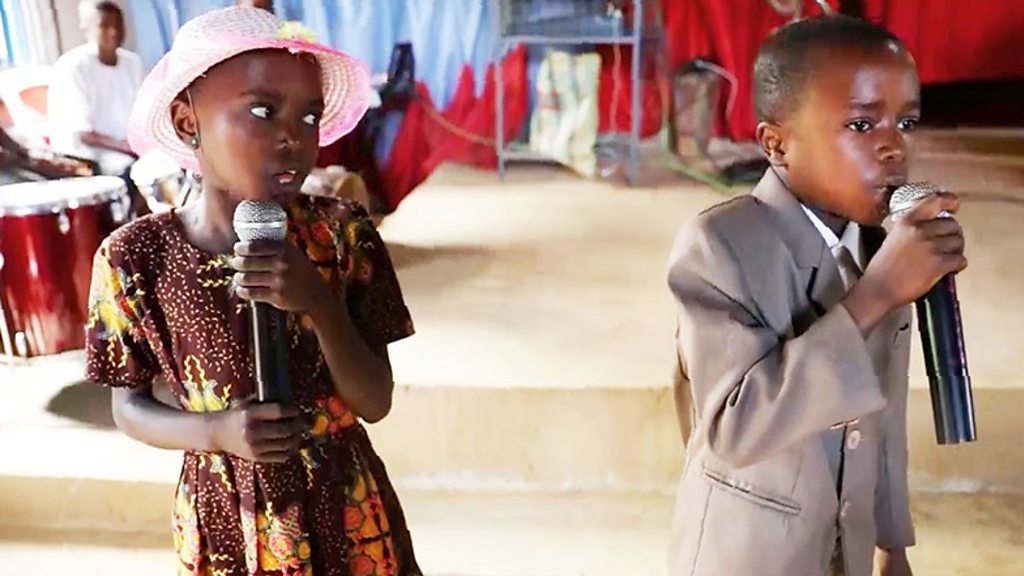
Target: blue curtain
445,35
5,37
152,25
17,46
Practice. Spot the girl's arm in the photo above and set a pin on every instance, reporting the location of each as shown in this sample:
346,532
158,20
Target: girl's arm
362,377
283,276
258,432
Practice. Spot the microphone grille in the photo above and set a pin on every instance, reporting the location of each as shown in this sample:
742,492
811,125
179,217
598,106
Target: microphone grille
258,220
904,197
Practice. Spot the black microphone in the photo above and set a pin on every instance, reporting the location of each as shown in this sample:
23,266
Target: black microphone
254,221
942,338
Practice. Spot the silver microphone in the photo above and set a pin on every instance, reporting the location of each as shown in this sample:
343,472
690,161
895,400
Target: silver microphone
907,196
258,220
266,221
942,338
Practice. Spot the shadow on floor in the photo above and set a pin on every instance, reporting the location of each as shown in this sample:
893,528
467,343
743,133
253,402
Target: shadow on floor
83,402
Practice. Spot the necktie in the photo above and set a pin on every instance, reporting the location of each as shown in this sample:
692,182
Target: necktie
848,269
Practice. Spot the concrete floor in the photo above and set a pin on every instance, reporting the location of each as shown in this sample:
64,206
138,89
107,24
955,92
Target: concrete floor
551,535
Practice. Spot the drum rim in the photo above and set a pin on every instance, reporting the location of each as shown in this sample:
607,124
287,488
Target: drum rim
62,204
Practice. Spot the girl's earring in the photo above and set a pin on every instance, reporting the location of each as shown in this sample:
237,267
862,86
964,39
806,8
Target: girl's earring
194,142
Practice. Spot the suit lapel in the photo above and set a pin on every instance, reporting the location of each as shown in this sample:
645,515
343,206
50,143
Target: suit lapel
826,288
819,275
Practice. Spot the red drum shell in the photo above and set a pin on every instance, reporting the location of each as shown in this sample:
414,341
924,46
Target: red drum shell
49,232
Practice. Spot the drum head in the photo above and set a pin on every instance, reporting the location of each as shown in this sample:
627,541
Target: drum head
55,195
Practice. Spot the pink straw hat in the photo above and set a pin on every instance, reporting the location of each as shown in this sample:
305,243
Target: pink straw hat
216,36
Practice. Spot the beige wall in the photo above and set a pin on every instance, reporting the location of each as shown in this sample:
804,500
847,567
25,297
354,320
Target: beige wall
67,21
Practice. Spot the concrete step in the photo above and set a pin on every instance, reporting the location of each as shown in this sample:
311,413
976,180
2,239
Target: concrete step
75,475
977,176
491,439
544,354
626,440
539,534
1007,143
986,162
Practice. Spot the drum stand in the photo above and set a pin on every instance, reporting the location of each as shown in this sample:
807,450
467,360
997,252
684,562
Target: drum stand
5,332
5,337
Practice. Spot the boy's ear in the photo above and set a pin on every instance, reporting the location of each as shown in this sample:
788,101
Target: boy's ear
772,139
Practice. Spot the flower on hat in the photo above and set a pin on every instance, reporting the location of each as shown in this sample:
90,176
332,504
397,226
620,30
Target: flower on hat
295,31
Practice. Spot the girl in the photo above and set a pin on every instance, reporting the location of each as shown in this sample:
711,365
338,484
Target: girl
244,99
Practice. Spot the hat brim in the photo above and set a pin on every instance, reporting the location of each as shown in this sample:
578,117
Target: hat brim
346,86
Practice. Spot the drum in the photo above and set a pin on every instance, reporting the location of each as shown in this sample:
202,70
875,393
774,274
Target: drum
159,179
49,232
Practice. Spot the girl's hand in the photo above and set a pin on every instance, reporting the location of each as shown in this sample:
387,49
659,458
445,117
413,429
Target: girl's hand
280,275
258,432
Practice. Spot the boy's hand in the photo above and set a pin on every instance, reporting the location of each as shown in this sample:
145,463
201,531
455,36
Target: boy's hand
279,274
894,562
258,432
921,248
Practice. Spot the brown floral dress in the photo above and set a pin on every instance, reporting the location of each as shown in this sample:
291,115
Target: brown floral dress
159,305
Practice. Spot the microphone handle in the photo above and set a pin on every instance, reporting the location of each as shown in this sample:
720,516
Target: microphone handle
270,352
942,338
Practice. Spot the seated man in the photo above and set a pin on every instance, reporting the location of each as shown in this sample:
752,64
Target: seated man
92,94
94,85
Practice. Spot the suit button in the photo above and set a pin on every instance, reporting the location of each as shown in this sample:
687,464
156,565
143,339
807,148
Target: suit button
853,439
844,509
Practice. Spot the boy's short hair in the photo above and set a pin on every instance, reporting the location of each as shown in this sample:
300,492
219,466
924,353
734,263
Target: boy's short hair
786,58
88,8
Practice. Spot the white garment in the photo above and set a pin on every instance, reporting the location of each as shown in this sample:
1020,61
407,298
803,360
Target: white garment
851,240
87,95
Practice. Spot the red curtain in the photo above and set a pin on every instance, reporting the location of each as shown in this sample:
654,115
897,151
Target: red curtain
957,40
615,91
729,33
953,40
464,132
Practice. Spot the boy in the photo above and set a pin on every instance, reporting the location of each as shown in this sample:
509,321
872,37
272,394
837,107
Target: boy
793,321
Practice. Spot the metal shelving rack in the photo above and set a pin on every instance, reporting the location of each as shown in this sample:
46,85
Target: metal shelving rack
578,22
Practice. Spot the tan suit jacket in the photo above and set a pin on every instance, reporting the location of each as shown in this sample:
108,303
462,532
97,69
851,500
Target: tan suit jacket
770,362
